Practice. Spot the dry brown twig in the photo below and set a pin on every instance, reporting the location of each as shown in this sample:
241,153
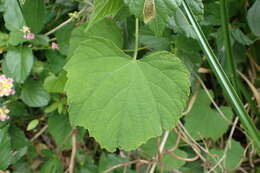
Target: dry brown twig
73,152
160,151
125,164
39,133
253,89
227,145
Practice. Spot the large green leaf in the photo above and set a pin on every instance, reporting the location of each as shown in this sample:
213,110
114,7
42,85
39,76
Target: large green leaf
99,29
18,63
253,18
204,122
133,100
34,14
13,16
34,95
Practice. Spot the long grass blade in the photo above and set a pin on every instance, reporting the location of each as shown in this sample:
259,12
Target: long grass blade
231,71
224,80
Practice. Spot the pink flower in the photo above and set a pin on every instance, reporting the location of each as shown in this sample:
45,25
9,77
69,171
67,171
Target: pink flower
54,46
4,113
6,86
29,36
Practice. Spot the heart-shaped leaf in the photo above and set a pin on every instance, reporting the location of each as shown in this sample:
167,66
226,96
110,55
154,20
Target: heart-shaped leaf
121,101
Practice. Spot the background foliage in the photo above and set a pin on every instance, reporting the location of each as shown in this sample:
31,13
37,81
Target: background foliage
124,86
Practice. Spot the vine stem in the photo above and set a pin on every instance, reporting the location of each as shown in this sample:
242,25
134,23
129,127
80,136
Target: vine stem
64,23
161,147
39,133
136,38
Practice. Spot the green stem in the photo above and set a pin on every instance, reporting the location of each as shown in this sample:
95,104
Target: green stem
136,38
132,50
224,80
227,43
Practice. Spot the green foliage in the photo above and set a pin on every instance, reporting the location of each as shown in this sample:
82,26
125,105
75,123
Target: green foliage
13,15
34,95
60,129
204,122
232,158
33,124
123,90
55,84
169,162
6,151
99,29
104,8
18,63
34,13
253,18
93,85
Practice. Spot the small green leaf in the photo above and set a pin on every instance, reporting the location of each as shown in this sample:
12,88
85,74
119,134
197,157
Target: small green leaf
60,129
197,8
5,151
16,38
180,24
233,158
51,108
52,166
253,18
107,161
34,14
241,38
17,109
34,95
63,36
99,29
157,43
55,61
109,91
204,122
151,149
104,8
55,84
3,39
18,139
18,63
13,16
32,125
170,162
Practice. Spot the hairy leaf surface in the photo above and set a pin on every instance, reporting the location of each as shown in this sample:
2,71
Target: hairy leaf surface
124,102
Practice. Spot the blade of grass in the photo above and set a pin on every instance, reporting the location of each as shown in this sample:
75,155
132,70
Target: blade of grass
231,72
224,80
